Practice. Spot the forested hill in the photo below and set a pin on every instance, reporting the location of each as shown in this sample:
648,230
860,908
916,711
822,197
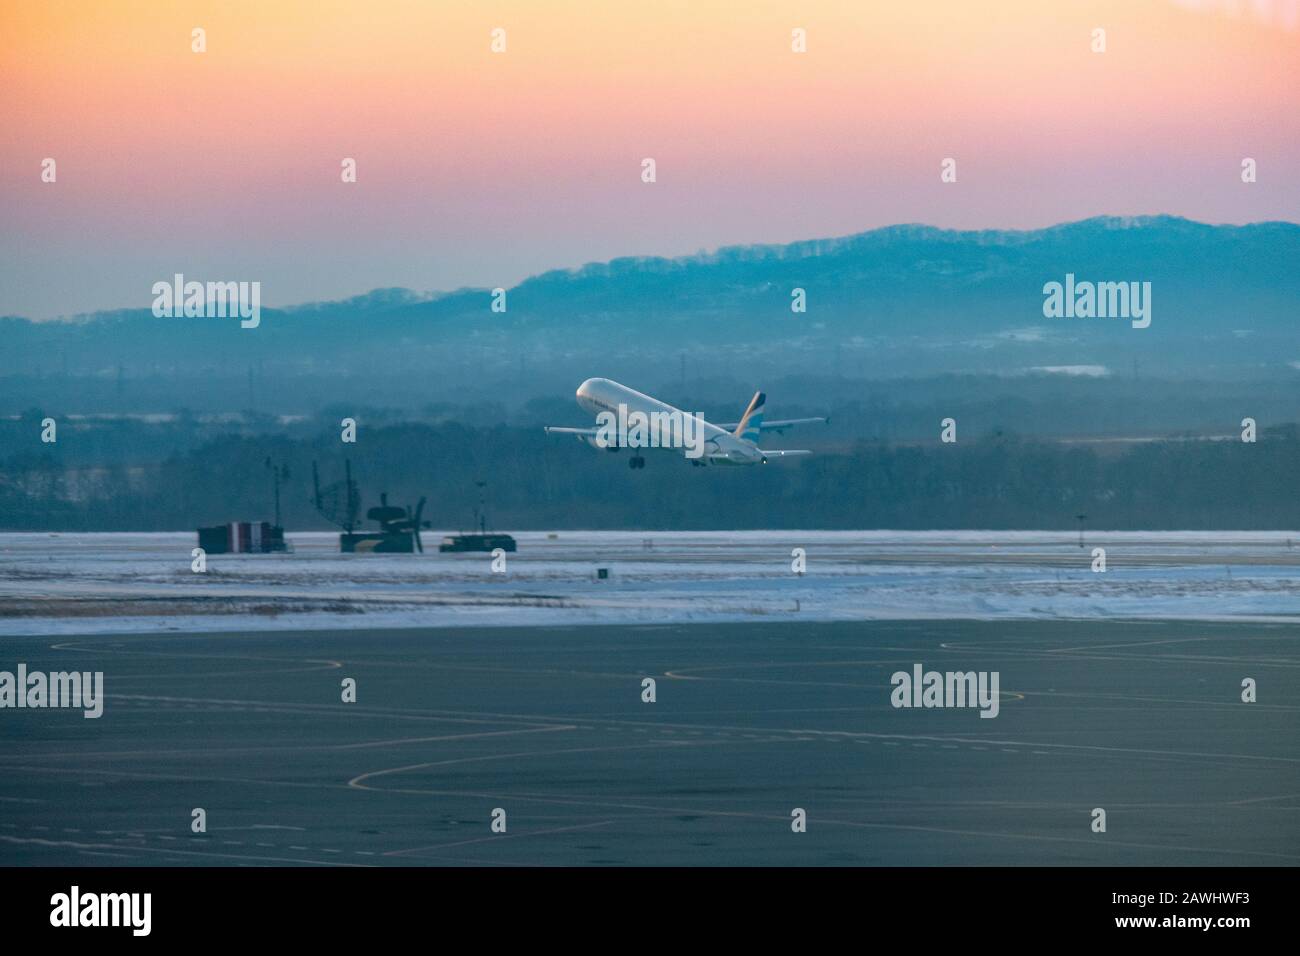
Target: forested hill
904,300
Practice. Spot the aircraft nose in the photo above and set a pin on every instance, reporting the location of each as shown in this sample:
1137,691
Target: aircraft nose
584,390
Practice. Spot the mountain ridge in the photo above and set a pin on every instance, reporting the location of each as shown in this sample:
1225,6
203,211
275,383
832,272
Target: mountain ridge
387,298
903,300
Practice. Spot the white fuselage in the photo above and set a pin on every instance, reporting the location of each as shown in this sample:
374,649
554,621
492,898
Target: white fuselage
597,395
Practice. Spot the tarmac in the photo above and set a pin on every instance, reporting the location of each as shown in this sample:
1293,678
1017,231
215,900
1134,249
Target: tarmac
547,732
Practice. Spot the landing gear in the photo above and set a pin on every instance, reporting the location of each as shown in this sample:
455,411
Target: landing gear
635,462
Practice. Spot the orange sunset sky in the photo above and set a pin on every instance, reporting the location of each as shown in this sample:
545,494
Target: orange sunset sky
480,168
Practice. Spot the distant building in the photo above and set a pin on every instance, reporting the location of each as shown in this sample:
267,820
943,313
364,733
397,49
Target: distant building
242,537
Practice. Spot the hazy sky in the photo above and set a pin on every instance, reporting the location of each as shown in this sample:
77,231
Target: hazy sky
480,168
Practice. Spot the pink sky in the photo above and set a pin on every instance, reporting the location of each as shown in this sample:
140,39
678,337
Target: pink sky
476,168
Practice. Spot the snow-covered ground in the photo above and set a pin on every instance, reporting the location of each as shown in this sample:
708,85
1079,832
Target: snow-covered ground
104,583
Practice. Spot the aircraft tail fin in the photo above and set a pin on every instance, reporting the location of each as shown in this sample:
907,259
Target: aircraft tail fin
751,423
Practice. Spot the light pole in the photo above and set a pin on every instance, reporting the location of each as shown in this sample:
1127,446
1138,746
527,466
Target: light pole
279,473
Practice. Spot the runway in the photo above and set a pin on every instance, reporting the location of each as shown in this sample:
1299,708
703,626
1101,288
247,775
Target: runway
133,583
750,722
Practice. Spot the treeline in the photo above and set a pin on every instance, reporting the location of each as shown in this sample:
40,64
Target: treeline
533,481
134,428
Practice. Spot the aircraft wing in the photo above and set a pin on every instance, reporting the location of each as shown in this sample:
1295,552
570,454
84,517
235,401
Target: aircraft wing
787,453
778,426
561,430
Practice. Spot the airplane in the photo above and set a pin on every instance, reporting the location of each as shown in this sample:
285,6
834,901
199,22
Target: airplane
734,443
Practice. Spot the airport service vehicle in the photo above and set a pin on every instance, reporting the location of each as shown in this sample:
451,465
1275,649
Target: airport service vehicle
483,539
617,408
477,542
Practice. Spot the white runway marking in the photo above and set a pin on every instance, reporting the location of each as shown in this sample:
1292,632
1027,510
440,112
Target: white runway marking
500,836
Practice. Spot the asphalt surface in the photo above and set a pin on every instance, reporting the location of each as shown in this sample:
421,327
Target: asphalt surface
750,722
